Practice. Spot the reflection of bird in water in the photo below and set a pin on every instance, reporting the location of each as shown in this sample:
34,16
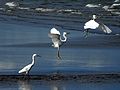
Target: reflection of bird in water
24,85
92,24
27,68
56,39
58,87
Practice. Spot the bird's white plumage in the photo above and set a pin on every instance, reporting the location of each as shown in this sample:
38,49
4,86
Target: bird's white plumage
29,66
56,44
56,39
91,25
26,69
54,31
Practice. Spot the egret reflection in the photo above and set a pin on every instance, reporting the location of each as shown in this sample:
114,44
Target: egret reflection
24,85
58,87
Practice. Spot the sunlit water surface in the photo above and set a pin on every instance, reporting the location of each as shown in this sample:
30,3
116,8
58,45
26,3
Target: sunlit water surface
23,33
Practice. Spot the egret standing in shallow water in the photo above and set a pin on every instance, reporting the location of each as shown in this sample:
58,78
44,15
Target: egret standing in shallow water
56,39
27,68
92,24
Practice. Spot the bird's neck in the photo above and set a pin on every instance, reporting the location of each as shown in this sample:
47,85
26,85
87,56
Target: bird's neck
65,38
33,60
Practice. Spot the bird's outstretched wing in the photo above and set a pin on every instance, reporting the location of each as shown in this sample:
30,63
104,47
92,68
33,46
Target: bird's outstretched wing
55,39
104,28
54,36
54,31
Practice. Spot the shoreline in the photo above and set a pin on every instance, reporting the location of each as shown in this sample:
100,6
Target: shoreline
53,77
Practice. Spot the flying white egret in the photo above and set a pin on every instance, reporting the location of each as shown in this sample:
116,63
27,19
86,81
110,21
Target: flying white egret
56,39
27,68
92,24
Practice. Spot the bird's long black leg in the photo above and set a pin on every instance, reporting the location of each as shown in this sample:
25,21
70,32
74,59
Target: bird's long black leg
86,33
58,54
24,75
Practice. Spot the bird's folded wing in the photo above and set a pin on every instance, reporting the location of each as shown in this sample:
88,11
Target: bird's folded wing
55,39
26,68
104,28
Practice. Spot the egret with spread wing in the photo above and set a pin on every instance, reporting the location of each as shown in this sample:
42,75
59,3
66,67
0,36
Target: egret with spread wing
92,24
27,68
56,39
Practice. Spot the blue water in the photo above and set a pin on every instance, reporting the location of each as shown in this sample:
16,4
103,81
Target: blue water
24,32
57,85
97,53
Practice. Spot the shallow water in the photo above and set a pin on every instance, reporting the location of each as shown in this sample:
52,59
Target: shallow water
25,31
97,53
57,85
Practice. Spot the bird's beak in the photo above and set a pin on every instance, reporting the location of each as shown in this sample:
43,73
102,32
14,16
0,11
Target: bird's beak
68,32
38,56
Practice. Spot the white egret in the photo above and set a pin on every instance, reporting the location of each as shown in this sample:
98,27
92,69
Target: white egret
56,39
27,68
92,24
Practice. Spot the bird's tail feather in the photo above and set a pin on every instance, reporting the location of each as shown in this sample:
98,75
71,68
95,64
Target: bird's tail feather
20,71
